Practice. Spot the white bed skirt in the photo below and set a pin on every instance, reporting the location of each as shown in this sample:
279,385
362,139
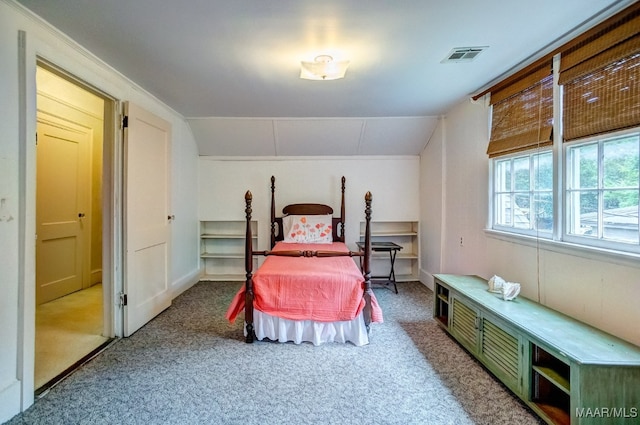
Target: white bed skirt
298,331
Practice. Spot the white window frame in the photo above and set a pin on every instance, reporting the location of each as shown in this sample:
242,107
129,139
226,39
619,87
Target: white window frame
599,241
512,192
557,243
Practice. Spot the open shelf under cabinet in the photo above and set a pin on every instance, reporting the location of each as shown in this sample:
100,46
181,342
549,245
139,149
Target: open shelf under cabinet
566,371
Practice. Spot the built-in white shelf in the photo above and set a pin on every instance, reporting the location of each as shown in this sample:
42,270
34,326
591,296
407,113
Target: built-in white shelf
222,249
403,233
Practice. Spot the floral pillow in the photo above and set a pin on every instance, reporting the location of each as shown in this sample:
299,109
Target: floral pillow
307,228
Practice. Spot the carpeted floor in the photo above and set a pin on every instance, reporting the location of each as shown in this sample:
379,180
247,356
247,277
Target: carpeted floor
190,366
67,329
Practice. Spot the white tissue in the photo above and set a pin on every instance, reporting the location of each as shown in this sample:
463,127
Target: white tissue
510,290
495,284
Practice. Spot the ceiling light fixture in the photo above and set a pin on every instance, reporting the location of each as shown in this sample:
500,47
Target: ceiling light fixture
323,67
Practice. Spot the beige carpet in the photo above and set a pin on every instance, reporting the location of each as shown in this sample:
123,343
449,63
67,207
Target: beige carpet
67,329
189,365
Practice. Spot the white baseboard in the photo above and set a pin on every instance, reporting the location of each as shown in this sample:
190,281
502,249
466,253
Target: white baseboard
185,282
426,278
96,276
9,401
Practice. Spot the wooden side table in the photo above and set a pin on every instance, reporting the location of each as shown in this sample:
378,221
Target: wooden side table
392,249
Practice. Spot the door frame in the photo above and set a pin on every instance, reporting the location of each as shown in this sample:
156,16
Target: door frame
31,51
112,176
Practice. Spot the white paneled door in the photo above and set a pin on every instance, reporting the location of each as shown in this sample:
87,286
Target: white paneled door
147,146
63,212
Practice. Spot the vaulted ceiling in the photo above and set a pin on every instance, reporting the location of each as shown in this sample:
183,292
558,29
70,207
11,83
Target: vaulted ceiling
231,68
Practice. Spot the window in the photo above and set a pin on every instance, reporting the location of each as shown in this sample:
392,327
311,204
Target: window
602,191
596,149
523,193
521,136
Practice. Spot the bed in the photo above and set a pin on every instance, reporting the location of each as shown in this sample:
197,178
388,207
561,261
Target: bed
309,288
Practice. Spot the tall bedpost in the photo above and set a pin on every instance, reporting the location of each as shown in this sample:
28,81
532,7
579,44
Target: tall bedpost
273,212
248,263
366,264
342,212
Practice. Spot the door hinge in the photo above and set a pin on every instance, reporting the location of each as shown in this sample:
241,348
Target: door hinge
125,121
36,138
123,299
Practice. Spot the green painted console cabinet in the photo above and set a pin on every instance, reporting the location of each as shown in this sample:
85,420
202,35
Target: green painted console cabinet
567,371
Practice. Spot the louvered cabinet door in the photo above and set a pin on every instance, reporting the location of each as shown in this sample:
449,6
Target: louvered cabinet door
501,352
465,324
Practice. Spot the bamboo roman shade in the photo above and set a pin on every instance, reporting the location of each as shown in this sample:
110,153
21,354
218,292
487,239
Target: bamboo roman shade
523,113
601,79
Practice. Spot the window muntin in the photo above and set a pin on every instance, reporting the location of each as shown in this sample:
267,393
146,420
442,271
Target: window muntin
523,193
603,190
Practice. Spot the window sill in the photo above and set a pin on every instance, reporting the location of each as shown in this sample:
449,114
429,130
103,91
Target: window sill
591,253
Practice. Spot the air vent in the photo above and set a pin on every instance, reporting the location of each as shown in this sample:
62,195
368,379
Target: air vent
463,54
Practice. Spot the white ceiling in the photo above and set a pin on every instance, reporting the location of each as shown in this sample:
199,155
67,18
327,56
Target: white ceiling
231,67
313,136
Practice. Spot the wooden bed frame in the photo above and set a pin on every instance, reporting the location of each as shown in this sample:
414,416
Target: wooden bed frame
338,236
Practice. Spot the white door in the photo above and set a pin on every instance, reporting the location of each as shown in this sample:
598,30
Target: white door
147,149
63,210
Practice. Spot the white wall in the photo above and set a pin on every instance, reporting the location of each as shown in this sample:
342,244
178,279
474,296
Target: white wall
594,290
10,221
393,182
185,234
432,217
17,187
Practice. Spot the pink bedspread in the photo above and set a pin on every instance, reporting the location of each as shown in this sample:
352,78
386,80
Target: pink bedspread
326,289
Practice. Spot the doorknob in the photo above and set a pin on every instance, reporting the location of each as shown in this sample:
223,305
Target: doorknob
171,217
80,215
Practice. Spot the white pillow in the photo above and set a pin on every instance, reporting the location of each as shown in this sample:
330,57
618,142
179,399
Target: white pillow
307,228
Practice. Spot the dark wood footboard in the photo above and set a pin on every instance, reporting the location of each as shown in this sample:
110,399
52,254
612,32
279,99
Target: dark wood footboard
250,253
248,264
366,261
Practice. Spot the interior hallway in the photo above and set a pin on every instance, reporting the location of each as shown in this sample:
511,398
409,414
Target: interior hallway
67,330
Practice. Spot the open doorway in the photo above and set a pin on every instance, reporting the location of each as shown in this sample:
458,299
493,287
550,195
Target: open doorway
72,289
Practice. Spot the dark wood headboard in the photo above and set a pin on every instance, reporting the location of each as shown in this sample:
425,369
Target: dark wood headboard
337,223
